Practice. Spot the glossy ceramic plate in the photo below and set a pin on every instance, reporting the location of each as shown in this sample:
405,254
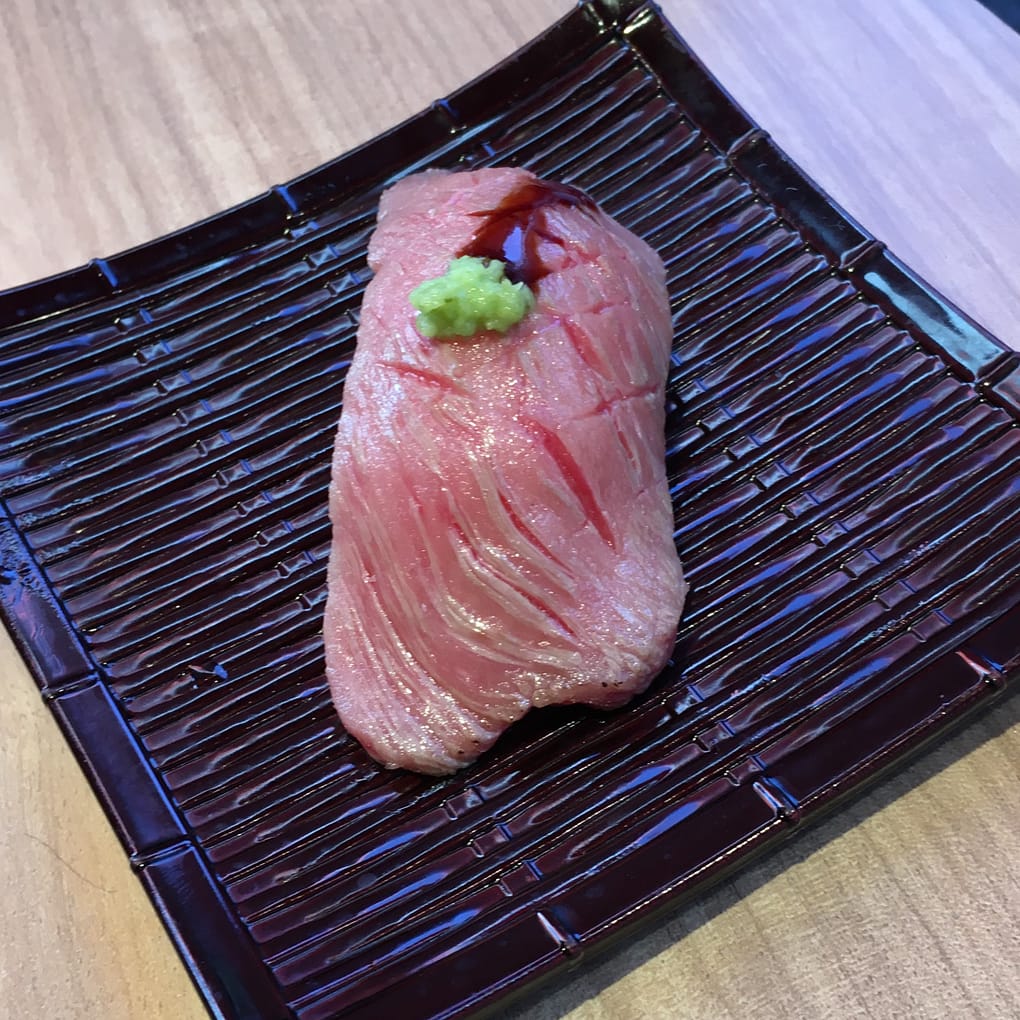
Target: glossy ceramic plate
843,451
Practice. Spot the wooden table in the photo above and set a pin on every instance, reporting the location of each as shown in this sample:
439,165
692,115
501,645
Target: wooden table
121,121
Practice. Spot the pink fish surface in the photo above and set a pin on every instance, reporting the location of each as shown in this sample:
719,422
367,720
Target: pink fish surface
502,525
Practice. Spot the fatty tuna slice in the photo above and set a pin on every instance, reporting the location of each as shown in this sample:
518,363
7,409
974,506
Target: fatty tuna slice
502,525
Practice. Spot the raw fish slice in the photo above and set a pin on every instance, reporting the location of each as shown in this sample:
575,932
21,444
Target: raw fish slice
502,525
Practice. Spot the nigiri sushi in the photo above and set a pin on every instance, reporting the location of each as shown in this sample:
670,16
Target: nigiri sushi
502,524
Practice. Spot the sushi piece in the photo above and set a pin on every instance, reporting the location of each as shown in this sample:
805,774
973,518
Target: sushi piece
502,525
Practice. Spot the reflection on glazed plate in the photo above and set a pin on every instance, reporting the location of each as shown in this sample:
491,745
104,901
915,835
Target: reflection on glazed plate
843,450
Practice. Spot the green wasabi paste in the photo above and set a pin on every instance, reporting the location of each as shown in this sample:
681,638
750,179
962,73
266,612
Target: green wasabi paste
474,295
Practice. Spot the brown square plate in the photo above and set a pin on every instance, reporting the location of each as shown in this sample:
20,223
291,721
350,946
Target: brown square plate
845,461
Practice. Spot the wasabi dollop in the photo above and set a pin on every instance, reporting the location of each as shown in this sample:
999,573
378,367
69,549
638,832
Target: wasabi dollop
473,295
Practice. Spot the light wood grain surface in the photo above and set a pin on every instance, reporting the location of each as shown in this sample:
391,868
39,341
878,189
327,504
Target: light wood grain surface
121,121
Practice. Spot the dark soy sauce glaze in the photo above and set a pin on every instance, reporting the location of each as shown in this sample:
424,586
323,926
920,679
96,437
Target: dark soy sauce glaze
512,230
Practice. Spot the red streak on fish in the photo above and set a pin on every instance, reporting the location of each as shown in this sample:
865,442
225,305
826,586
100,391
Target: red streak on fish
573,476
